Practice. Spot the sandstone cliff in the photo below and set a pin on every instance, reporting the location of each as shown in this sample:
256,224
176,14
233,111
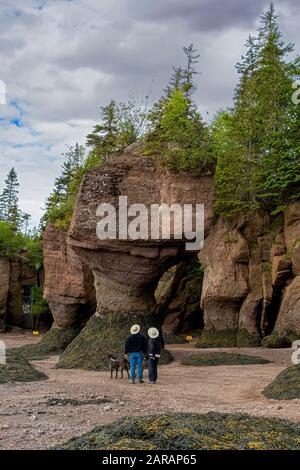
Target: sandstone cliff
126,272
251,268
250,289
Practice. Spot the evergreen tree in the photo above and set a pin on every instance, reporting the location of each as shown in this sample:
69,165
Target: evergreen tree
262,160
177,135
9,200
59,205
121,125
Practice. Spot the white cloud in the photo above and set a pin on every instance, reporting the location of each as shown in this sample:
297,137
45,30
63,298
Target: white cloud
62,60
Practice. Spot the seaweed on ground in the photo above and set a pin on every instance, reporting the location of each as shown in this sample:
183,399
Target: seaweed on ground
53,342
18,369
52,401
217,339
285,386
182,431
221,359
103,335
175,339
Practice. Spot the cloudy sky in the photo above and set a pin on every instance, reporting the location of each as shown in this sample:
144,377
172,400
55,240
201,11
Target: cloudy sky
63,59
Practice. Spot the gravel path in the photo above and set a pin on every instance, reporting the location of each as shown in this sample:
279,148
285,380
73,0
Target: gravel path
28,422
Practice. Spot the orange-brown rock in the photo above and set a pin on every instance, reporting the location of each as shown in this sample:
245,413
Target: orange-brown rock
69,284
4,286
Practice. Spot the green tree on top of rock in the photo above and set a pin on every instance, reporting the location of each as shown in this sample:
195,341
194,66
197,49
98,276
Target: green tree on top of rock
255,142
59,205
177,135
121,125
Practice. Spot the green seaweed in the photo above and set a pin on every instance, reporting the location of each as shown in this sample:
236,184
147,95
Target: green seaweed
18,369
103,335
221,359
183,431
54,341
217,339
286,386
247,340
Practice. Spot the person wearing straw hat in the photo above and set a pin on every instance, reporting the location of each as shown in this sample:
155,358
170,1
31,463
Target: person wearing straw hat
154,348
136,347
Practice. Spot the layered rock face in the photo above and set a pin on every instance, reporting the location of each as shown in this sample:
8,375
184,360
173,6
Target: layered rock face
14,275
4,286
286,276
251,274
68,289
126,272
178,294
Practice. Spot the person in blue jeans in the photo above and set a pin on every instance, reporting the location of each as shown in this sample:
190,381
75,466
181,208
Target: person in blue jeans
155,344
136,347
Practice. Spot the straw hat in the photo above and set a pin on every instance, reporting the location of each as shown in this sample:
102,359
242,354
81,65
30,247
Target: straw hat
135,329
153,332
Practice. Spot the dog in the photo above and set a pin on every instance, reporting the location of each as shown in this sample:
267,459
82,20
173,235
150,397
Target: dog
116,364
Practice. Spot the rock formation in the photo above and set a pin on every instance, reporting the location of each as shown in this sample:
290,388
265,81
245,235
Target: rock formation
250,288
68,289
178,294
4,285
126,272
286,276
14,275
250,274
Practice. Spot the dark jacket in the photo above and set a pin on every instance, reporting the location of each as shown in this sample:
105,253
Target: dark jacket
136,343
154,346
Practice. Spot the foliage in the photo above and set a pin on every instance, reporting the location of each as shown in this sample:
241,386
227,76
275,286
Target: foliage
34,251
121,125
9,208
11,241
182,431
60,204
39,304
257,142
177,135
221,359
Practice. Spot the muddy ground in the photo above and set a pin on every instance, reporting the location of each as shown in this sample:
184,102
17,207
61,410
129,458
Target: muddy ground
34,415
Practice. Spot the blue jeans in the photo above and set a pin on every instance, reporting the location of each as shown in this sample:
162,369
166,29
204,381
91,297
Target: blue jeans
136,359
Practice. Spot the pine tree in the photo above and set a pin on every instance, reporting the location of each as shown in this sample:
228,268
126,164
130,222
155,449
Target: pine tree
9,200
177,134
60,203
262,160
121,125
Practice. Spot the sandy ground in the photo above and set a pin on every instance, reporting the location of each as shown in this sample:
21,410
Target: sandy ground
27,422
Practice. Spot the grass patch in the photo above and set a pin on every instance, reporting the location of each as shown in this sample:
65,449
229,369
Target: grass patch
18,369
221,359
74,402
286,386
182,431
